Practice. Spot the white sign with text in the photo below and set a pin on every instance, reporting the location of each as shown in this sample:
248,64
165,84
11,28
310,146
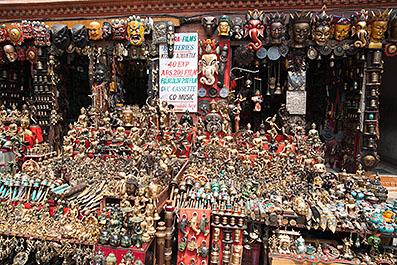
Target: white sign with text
179,75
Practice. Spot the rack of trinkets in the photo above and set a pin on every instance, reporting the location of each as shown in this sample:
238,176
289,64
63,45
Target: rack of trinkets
14,86
43,94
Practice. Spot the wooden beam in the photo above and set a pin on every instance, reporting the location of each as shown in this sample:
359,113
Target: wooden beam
83,9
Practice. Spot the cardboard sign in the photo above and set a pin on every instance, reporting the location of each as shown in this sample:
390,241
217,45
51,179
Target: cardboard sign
179,75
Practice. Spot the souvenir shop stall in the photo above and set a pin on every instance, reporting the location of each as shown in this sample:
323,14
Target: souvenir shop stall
236,138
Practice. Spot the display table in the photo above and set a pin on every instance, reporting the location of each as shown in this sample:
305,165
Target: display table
285,261
279,259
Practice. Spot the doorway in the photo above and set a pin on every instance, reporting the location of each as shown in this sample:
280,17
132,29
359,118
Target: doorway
74,86
135,81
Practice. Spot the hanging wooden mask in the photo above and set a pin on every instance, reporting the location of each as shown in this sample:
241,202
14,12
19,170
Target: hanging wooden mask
254,28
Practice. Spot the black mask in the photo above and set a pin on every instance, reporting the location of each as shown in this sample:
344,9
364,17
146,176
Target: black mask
60,36
79,35
100,74
107,30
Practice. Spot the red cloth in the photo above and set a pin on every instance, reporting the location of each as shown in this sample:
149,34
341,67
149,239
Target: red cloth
37,132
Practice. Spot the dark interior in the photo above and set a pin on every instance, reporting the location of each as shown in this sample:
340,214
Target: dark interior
75,88
135,81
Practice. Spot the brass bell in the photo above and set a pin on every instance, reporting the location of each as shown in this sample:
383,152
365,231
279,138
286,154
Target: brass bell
371,128
377,57
371,143
374,77
278,91
372,103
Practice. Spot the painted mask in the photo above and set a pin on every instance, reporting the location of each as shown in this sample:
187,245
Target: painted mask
10,53
377,28
107,31
60,36
224,26
209,24
119,27
79,35
170,39
237,28
342,28
27,29
95,30
321,28
3,33
136,31
31,54
276,27
208,64
254,28
15,35
42,36
300,29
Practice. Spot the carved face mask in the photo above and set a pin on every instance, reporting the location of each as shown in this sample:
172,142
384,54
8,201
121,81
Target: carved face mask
106,31
378,29
276,30
79,35
95,30
301,32
136,31
209,24
342,28
237,28
322,28
300,28
42,34
119,27
321,35
99,74
341,32
224,26
60,36
276,27
254,29
31,54
10,53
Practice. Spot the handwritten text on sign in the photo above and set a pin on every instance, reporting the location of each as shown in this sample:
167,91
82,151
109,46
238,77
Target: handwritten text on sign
178,75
